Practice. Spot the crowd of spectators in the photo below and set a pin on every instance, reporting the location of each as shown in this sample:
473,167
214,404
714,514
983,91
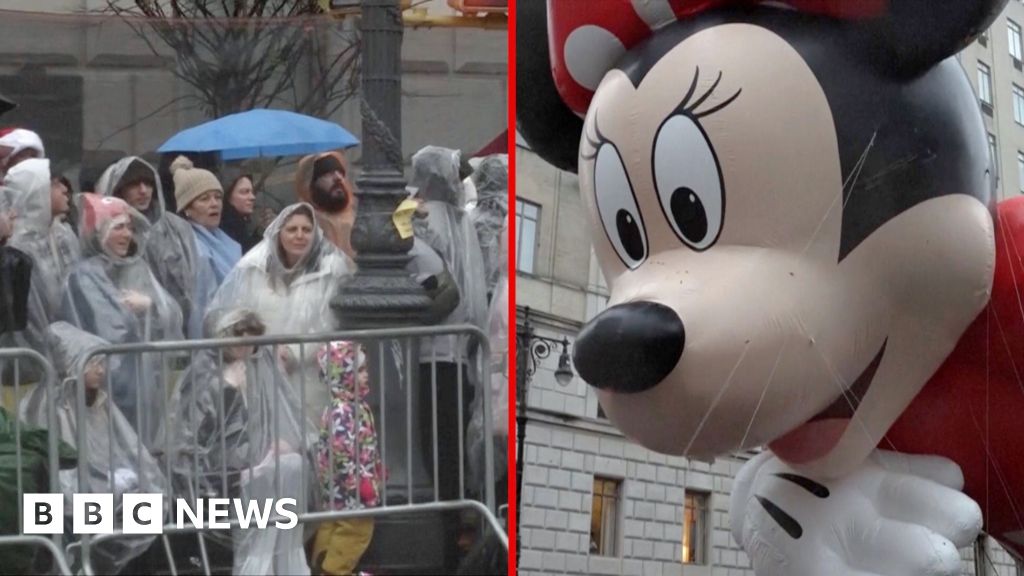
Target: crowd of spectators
112,265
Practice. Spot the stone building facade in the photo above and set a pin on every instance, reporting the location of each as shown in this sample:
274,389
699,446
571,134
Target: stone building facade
96,91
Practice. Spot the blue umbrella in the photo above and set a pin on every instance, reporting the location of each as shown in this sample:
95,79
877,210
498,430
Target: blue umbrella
261,132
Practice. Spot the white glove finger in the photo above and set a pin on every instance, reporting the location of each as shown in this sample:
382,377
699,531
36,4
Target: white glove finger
741,491
892,548
947,512
935,468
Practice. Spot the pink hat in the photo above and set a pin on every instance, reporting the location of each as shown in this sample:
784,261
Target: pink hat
98,209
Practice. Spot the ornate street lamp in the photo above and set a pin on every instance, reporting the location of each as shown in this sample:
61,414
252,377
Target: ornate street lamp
381,293
531,349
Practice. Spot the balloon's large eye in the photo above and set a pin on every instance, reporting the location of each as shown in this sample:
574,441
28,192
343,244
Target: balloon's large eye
617,206
689,182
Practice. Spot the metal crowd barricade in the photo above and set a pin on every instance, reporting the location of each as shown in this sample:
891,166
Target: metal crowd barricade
391,351
14,357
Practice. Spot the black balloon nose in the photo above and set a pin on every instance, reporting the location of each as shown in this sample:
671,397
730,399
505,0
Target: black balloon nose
630,347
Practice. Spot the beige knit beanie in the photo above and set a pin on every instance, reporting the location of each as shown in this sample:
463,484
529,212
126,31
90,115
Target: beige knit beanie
191,182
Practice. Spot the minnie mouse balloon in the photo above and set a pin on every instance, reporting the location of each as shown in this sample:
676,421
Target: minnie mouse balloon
792,203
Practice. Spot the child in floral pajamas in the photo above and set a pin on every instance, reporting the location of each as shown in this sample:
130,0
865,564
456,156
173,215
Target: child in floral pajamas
349,467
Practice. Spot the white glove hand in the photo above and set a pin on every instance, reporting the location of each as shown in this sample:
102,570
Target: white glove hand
897,515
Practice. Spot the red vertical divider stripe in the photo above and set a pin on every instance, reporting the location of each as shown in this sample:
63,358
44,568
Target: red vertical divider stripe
513,520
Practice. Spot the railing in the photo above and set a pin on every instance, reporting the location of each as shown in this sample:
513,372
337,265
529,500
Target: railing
390,353
11,363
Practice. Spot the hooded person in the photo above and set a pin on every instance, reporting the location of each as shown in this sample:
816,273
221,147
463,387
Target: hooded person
199,196
289,279
447,360
171,251
490,215
113,294
446,227
233,412
17,145
38,231
349,466
322,180
111,459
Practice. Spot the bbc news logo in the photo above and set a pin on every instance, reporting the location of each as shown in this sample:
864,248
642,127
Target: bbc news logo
144,513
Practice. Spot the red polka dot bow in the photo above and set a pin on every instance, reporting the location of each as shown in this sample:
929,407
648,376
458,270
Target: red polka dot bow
585,42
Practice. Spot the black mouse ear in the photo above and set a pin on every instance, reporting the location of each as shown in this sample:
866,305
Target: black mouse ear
914,35
550,128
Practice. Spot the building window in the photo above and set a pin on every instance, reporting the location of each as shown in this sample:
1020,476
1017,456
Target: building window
695,528
527,216
1018,104
983,38
604,517
985,87
1013,34
1020,170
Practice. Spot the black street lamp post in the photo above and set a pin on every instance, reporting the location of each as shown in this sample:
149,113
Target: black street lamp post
381,293
530,350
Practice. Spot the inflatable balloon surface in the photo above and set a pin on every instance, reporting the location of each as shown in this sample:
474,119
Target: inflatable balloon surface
794,208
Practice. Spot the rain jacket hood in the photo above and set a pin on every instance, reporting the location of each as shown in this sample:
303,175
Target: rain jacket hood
98,217
490,215
124,171
28,185
276,267
339,369
171,250
448,230
27,191
50,244
337,227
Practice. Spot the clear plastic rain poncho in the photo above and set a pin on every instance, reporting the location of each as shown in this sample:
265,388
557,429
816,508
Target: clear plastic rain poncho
26,191
171,251
120,300
51,243
292,300
490,214
111,458
448,230
236,432
497,336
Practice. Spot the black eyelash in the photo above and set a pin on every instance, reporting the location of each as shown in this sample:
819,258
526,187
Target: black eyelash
688,106
690,109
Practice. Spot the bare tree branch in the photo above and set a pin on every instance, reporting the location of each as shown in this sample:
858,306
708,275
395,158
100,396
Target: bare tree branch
245,54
